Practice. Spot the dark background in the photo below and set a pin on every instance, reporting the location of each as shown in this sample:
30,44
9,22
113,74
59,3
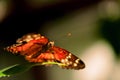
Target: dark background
25,17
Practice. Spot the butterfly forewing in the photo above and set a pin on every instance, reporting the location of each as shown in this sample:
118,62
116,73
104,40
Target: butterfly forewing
67,58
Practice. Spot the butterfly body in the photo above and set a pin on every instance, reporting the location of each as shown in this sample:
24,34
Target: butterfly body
37,49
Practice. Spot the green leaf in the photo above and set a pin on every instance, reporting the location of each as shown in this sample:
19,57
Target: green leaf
19,68
14,69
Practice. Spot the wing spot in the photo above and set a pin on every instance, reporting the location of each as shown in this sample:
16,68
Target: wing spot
75,64
77,60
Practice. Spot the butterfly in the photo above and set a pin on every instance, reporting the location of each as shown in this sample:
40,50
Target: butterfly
37,48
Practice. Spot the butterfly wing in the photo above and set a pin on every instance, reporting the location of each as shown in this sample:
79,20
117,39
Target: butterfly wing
30,45
65,57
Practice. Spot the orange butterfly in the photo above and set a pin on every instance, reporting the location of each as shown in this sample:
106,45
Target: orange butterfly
37,49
